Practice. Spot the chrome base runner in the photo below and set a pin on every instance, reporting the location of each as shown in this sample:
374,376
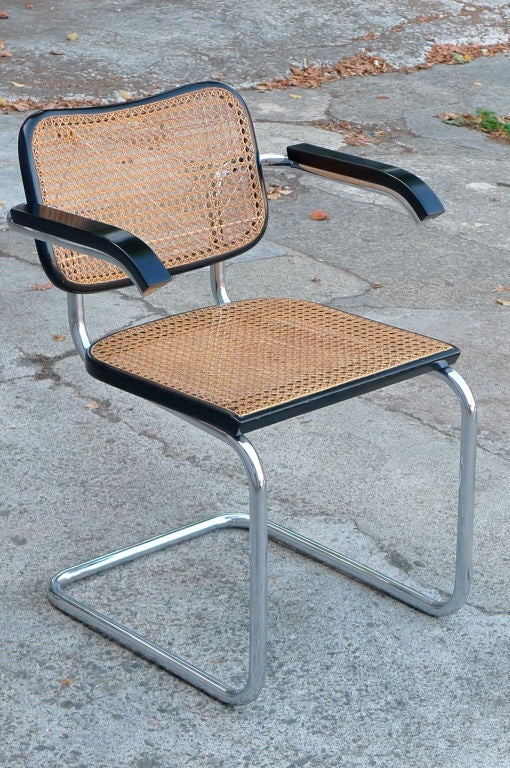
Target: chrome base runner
259,528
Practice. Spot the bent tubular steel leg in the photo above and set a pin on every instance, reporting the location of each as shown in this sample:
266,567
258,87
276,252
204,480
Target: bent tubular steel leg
256,521
259,529
464,523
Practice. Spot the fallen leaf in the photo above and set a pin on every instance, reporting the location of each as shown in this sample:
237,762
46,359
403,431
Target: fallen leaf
503,302
58,337
25,105
295,96
316,280
3,103
501,288
275,191
2,45
5,54
356,139
477,83
377,285
18,85
311,76
93,405
461,58
29,5
42,286
66,682
4,15
57,53
319,215
126,95
72,36
21,105
382,96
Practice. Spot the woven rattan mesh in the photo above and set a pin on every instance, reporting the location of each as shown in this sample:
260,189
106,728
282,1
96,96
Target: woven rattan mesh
252,355
180,173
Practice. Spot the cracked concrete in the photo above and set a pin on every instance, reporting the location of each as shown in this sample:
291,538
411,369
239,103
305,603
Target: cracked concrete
354,679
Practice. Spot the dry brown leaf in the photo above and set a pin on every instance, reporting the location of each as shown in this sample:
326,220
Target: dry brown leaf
66,682
314,75
275,191
42,286
377,285
442,53
447,116
21,105
4,15
29,5
25,105
503,302
5,54
2,45
72,36
316,280
319,215
354,135
357,139
58,337
382,96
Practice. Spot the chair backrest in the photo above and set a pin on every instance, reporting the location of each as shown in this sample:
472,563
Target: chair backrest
179,170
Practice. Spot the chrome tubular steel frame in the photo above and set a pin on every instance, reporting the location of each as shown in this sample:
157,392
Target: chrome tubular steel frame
259,529
218,287
255,521
76,318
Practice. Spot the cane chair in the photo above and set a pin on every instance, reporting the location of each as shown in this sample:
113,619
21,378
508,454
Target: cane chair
141,191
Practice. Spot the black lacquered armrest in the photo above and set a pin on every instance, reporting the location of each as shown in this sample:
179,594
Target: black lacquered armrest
95,238
409,189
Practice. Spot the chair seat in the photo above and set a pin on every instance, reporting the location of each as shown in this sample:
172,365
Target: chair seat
249,363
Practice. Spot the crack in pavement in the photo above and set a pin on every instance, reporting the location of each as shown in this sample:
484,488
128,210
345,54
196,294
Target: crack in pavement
390,408
153,309
4,255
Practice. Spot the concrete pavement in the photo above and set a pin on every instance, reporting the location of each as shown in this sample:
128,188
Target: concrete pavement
355,679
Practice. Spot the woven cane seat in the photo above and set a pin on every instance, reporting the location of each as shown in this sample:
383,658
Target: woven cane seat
258,355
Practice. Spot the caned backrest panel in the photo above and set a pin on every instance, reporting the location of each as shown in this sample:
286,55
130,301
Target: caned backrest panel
180,171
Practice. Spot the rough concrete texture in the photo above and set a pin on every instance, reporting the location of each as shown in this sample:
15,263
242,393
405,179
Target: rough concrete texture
354,679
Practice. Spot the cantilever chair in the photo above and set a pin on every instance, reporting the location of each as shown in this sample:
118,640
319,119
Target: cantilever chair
139,192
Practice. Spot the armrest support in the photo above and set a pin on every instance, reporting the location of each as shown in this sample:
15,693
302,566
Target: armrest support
94,238
407,188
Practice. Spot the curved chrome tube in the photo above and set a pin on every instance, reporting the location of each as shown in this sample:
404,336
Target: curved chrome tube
76,317
259,528
218,287
270,159
255,521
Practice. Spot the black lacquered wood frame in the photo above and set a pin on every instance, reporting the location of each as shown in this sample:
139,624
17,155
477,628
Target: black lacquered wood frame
124,249
420,198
